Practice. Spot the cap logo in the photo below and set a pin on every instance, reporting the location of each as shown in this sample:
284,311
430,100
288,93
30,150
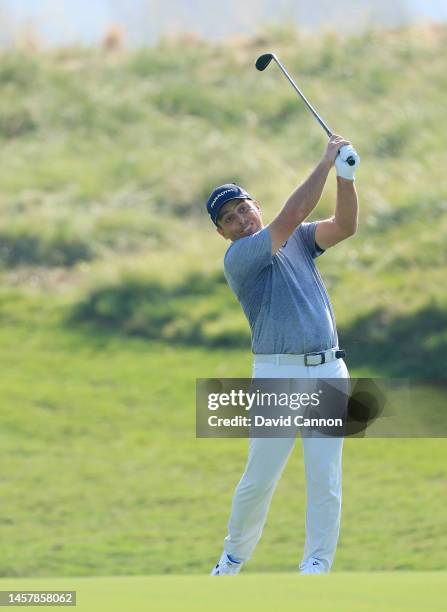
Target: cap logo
220,195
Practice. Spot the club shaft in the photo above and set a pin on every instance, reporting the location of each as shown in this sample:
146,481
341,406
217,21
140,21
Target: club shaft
303,97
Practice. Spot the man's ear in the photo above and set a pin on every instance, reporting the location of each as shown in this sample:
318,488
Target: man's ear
220,231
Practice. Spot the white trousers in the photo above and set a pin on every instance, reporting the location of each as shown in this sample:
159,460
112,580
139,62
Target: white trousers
266,460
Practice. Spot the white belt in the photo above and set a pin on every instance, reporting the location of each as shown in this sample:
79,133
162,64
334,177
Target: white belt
309,359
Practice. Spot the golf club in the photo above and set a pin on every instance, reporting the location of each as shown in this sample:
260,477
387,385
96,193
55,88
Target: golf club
261,64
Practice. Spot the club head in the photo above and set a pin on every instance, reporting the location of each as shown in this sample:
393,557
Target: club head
263,61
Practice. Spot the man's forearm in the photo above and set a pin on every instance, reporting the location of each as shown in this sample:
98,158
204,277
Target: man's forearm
346,210
303,200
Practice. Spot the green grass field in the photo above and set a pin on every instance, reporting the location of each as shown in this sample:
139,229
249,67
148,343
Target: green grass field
102,473
343,592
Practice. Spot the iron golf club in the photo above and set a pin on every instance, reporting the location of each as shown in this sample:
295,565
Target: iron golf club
261,64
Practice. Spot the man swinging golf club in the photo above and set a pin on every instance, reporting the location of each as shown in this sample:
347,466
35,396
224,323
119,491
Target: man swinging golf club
272,272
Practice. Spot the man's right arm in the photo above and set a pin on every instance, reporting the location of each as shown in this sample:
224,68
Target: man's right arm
303,200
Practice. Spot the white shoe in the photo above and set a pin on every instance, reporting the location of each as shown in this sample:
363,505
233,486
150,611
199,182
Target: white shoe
313,566
226,566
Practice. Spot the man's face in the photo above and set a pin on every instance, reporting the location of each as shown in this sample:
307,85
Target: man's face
239,218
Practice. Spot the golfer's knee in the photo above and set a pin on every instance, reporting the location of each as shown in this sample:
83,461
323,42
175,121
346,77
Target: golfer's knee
257,486
324,486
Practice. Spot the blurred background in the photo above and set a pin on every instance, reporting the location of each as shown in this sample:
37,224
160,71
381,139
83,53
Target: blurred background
116,121
144,22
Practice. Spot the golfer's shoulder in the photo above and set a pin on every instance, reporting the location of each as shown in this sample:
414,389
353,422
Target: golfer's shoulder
249,251
249,246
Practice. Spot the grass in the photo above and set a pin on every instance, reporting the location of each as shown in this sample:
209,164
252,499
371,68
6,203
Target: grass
102,473
344,592
108,159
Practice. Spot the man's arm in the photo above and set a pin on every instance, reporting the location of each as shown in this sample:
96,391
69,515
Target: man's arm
304,199
344,222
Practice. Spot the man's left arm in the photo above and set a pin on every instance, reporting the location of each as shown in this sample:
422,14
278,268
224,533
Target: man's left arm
344,222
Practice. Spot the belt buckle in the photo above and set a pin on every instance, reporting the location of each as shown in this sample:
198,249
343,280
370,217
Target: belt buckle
322,355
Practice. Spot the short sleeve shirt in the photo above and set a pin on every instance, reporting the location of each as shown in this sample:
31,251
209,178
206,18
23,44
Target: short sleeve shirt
283,295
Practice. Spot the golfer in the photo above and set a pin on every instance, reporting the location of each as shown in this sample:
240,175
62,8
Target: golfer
272,272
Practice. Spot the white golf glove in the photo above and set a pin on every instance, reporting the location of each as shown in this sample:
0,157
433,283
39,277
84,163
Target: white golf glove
343,168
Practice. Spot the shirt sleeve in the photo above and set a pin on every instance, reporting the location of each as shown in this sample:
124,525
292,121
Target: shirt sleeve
306,233
246,258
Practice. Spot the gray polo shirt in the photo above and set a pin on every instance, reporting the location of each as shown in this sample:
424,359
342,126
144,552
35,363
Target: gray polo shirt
282,295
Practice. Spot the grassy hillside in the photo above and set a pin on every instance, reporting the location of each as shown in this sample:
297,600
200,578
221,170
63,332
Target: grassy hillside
107,160
113,301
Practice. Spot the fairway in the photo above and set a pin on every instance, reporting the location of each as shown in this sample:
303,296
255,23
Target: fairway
110,416
347,591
